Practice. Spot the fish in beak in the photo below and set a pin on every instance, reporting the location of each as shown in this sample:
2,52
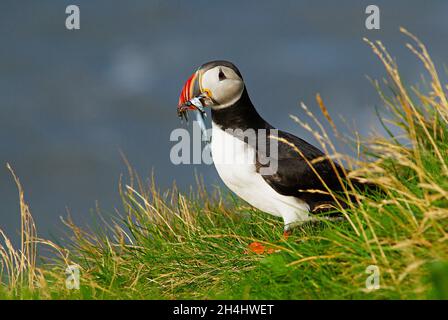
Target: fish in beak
191,97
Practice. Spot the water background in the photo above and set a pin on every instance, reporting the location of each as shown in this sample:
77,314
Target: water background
71,100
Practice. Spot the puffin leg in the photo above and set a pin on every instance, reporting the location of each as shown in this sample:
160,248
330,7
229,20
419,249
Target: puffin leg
286,233
291,219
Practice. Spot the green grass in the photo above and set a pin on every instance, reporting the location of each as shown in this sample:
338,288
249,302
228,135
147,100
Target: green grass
169,245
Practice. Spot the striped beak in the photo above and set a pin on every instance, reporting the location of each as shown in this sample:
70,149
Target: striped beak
192,97
190,91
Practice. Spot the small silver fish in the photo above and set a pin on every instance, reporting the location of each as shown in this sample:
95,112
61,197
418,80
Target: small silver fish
200,116
200,113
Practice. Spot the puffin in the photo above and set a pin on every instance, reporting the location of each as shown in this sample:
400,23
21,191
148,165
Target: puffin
244,146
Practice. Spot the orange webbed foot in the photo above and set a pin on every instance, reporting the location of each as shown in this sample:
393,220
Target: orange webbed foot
258,248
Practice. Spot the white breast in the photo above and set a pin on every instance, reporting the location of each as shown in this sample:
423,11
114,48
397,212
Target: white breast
235,162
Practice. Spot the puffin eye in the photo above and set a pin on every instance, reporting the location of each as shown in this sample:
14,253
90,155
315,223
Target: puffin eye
221,75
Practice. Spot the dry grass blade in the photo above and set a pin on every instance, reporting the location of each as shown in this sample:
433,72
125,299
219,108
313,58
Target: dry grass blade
21,264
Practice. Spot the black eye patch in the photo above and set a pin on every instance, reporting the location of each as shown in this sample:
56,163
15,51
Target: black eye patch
221,75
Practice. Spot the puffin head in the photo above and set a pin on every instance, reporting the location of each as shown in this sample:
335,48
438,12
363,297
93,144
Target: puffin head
216,84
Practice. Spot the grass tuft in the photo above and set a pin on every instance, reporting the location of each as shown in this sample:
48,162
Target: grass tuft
170,245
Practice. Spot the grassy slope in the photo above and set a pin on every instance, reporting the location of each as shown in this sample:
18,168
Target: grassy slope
193,246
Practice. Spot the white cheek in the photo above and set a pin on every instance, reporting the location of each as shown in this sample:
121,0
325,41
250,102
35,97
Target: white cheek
209,81
225,92
228,91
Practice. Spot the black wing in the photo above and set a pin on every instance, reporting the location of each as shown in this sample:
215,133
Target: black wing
294,174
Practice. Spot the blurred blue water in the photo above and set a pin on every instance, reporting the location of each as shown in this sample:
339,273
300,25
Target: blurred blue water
71,100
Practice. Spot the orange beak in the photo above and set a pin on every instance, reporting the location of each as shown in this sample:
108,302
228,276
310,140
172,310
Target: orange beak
189,91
